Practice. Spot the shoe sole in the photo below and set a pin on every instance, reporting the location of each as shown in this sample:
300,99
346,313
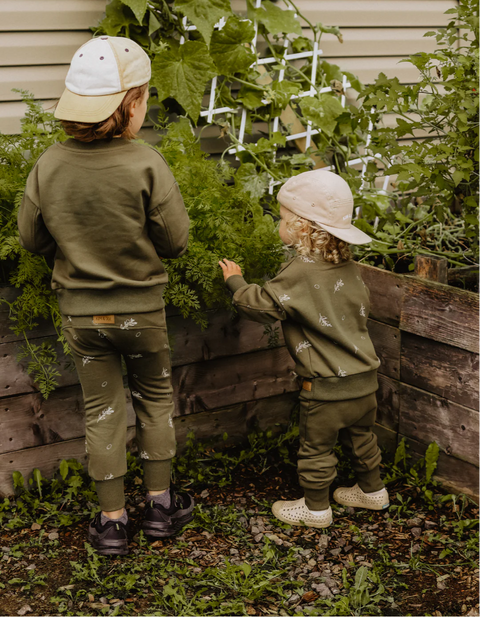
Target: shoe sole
120,549
284,519
356,504
152,530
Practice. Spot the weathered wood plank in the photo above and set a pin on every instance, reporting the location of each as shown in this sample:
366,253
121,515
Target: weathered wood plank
431,268
440,313
386,341
29,420
386,293
14,378
468,275
10,294
237,421
225,336
426,417
456,475
442,369
386,438
388,401
209,385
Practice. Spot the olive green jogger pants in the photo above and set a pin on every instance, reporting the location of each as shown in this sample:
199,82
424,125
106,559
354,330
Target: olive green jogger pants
98,344
322,423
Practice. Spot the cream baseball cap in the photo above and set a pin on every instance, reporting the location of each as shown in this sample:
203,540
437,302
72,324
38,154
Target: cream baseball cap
101,73
326,199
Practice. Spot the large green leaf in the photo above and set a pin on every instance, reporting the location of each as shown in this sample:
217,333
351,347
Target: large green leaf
115,19
138,7
322,111
250,97
284,90
228,49
276,20
182,73
204,13
250,180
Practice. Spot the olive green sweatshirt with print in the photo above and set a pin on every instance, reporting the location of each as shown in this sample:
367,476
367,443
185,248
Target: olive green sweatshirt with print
106,212
323,308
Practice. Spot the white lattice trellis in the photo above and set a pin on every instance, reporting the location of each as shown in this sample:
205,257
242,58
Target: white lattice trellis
310,131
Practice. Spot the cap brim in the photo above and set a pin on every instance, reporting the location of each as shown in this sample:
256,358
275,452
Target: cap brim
79,108
351,234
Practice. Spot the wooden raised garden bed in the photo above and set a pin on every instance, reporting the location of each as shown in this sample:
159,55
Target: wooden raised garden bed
227,379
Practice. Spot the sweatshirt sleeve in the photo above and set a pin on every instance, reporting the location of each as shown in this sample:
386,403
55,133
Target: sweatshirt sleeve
168,221
33,233
254,302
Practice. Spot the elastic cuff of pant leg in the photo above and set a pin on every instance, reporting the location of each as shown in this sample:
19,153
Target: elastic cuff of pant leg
110,493
370,481
156,474
317,499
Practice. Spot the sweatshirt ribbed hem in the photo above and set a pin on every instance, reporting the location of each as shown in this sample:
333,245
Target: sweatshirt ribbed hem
119,300
342,388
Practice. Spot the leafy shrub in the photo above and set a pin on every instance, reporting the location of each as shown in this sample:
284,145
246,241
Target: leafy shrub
435,195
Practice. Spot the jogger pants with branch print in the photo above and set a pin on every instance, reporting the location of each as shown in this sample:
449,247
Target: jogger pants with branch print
98,344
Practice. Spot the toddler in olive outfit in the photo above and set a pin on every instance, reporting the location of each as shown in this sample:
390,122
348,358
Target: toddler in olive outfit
106,210
323,305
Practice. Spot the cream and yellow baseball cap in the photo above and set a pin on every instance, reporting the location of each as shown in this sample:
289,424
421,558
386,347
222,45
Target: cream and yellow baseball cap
326,199
101,73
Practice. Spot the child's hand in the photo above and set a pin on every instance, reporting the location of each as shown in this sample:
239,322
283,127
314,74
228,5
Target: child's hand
229,268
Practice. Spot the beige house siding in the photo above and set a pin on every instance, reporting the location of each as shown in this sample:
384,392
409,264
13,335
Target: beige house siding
38,39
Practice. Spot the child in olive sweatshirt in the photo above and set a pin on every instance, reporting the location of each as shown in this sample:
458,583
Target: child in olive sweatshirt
107,210
323,305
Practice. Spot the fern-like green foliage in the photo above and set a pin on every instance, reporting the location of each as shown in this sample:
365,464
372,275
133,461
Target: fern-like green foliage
226,221
29,273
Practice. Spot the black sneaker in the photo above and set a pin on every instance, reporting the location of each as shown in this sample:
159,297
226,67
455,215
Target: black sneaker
161,522
108,539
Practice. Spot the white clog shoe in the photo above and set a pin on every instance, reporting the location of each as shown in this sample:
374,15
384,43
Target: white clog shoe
354,496
297,513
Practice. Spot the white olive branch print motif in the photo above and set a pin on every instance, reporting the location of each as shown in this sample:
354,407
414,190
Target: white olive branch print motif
136,394
128,323
341,372
87,359
338,285
165,373
106,412
133,356
283,298
362,311
301,346
144,454
324,321
305,259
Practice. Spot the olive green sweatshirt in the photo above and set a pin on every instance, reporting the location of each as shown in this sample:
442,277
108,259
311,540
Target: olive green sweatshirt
323,308
107,212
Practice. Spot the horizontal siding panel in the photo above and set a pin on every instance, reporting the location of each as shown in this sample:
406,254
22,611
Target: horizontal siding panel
368,69
377,13
377,42
45,82
33,48
25,15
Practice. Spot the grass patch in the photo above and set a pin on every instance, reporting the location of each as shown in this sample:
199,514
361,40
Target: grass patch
419,557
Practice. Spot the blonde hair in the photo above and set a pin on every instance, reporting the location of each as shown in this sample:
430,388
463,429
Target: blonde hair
116,125
310,239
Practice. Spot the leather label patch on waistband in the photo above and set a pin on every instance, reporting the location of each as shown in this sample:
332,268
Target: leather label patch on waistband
99,319
307,385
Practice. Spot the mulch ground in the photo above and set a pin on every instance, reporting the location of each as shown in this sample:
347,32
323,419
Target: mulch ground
235,558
